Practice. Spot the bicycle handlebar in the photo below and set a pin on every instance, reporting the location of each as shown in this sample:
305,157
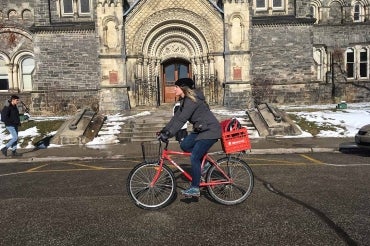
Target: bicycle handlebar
165,142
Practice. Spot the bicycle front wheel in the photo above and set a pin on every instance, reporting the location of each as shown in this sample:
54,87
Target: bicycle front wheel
150,197
242,181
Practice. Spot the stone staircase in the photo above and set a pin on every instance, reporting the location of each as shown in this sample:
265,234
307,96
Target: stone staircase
268,120
144,128
264,121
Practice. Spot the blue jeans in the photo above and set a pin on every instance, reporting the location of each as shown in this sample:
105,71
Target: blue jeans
198,149
14,140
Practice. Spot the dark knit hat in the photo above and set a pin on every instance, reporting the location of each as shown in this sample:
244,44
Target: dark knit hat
185,82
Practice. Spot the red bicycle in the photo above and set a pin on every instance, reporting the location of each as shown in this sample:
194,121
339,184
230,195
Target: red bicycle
152,184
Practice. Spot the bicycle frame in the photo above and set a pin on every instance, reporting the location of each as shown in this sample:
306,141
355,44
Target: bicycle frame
166,156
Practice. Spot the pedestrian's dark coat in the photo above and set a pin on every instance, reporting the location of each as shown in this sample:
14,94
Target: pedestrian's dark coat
10,116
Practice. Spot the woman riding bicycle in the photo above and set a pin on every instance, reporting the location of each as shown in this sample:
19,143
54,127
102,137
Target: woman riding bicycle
206,128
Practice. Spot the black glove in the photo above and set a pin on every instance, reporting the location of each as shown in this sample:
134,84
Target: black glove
164,135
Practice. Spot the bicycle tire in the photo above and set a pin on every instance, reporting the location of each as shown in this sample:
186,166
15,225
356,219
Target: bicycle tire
241,187
151,198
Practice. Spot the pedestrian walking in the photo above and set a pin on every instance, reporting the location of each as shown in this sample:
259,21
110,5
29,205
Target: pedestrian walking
10,116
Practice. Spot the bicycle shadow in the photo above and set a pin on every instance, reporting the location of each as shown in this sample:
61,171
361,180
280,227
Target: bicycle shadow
189,200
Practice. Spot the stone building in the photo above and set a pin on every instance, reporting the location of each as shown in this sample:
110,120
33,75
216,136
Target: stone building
61,55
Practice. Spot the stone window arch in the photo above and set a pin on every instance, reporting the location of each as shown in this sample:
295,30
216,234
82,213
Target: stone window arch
315,10
363,63
26,14
12,14
237,31
335,12
350,63
320,57
358,12
111,37
26,69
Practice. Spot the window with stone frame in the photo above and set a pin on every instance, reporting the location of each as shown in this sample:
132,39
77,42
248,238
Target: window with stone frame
79,8
364,63
358,11
261,5
274,5
319,56
357,63
350,63
27,66
4,79
277,4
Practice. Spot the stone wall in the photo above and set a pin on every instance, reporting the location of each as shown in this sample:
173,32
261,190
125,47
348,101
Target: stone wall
67,69
341,36
282,54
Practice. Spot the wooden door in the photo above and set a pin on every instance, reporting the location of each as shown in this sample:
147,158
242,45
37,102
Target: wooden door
173,71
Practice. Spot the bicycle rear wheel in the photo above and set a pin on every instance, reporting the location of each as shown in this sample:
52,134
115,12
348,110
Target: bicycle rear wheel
240,187
145,196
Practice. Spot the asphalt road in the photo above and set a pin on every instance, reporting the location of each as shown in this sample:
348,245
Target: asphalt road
298,199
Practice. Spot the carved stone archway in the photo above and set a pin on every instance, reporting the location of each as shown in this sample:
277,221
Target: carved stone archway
171,34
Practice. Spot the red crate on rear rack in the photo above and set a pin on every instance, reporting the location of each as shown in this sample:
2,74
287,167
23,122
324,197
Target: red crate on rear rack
234,137
235,140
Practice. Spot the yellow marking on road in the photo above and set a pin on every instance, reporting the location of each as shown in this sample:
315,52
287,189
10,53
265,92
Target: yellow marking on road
278,161
279,164
35,168
82,169
82,165
312,159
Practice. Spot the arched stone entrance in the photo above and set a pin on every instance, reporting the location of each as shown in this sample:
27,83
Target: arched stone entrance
170,38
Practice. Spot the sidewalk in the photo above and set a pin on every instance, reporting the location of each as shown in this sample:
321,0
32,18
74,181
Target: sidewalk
133,150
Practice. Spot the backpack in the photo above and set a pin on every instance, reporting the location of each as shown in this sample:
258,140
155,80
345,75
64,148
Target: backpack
4,113
230,125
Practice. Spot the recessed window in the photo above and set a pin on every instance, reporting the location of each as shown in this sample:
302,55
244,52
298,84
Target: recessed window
363,63
277,4
350,63
67,7
27,67
261,4
270,5
75,7
84,7
4,83
358,11
357,63
318,56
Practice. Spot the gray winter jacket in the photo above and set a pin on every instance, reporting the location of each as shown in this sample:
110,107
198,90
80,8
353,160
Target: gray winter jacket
198,114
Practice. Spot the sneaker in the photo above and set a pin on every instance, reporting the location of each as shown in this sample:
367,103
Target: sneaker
192,191
4,151
14,153
207,165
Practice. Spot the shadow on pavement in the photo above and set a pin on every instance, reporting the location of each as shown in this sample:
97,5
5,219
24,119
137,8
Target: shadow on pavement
355,149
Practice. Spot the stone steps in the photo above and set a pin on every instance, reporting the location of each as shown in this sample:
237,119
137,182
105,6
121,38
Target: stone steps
145,128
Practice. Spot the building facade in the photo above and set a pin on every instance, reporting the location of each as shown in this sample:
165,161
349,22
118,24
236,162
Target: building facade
62,55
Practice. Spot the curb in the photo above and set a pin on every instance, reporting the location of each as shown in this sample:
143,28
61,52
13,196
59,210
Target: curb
122,157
